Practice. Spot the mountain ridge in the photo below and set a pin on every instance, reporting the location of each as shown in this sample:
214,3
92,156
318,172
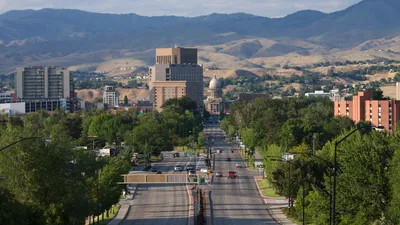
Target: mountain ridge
28,36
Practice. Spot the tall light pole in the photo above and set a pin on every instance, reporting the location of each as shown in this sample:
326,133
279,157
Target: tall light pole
360,126
330,178
16,142
280,159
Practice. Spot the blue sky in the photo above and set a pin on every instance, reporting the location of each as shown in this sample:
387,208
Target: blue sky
269,8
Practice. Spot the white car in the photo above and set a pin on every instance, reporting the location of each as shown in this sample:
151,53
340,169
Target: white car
239,165
204,170
178,168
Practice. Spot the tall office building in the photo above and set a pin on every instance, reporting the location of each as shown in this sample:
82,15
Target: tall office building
176,56
174,65
44,88
110,96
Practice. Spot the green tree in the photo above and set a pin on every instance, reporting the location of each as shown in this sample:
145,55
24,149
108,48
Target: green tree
48,170
362,183
150,136
125,100
393,213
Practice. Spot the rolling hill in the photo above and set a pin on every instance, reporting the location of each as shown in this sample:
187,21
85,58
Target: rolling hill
86,40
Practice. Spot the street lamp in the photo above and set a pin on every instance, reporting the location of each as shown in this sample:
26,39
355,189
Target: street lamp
16,142
93,138
330,180
280,159
366,128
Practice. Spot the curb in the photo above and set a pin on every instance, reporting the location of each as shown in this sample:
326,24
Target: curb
269,210
191,207
210,208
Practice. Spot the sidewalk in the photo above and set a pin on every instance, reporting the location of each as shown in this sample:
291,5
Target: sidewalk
274,206
126,202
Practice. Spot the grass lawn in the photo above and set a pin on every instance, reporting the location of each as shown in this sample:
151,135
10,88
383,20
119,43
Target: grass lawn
266,188
180,149
187,149
155,158
111,216
251,166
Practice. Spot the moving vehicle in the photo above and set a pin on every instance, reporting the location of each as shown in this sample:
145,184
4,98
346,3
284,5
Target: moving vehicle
178,168
191,172
159,172
229,159
190,167
175,155
203,170
218,174
239,165
232,174
154,169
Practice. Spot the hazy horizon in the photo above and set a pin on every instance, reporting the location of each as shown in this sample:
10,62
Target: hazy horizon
266,8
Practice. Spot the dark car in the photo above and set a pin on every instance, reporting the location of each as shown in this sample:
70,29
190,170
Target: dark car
190,167
191,172
175,155
159,172
154,169
228,159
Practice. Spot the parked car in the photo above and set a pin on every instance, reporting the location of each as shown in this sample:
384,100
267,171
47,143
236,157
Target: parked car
228,159
232,174
218,174
239,165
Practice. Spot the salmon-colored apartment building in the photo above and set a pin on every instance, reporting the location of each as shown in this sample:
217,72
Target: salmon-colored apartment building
381,113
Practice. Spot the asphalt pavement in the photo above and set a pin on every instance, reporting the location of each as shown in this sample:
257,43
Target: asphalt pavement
234,201
161,204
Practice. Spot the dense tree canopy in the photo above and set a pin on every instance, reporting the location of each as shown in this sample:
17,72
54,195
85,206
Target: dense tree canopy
369,163
48,180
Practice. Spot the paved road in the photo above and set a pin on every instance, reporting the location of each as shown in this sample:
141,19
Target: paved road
234,201
159,204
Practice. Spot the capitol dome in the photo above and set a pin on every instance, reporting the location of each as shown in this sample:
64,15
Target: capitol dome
214,83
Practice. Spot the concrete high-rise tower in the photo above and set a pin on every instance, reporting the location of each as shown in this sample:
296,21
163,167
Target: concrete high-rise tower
45,88
176,74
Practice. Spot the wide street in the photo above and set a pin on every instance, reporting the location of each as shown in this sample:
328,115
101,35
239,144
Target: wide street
161,203
234,201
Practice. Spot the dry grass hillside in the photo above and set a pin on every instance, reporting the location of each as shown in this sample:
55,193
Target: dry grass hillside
89,94
389,91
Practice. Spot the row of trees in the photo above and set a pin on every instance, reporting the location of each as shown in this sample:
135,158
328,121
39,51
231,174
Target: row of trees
369,164
48,180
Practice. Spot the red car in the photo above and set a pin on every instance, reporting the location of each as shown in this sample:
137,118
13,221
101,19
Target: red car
232,174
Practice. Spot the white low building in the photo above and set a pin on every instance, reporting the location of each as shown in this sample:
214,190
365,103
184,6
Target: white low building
13,109
319,94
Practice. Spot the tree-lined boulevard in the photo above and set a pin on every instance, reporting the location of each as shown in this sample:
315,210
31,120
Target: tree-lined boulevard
46,179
